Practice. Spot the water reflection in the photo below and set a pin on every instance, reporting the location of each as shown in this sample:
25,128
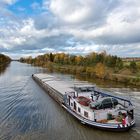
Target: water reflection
105,83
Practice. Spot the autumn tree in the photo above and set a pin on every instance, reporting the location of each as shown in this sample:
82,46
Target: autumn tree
100,70
72,59
91,58
56,58
4,59
66,59
78,60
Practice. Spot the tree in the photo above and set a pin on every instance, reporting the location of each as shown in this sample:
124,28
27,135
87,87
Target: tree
78,60
91,59
56,58
61,57
119,63
110,61
133,66
51,57
72,59
4,59
66,59
100,70
99,58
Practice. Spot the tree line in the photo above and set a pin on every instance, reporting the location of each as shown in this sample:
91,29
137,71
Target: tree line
100,65
4,59
66,59
96,64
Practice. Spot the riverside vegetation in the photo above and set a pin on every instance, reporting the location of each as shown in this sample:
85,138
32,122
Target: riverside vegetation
4,59
4,62
94,65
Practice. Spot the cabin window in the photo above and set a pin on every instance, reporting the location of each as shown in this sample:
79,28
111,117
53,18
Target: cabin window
86,114
74,106
79,109
71,104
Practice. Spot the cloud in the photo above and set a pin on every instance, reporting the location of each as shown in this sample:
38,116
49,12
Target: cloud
9,2
26,38
81,11
125,50
75,26
121,26
35,6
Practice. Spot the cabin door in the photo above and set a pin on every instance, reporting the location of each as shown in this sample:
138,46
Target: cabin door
74,106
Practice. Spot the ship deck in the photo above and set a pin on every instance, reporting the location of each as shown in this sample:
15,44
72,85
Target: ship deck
56,83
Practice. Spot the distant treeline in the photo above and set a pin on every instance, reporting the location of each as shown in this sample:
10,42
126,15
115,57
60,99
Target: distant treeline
66,59
4,59
100,65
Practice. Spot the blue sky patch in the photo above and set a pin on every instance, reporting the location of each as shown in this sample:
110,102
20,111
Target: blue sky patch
26,7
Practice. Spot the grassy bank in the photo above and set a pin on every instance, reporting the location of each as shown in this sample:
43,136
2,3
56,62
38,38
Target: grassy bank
94,72
93,65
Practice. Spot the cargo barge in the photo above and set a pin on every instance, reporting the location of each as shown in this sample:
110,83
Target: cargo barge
88,104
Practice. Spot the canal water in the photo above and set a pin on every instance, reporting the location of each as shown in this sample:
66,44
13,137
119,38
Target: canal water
28,113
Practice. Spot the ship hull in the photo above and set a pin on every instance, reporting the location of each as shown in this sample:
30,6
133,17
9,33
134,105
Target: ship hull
102,126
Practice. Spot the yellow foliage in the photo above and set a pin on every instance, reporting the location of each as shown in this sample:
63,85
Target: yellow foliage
78,59
100,70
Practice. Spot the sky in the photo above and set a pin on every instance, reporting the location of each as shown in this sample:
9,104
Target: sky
35,27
